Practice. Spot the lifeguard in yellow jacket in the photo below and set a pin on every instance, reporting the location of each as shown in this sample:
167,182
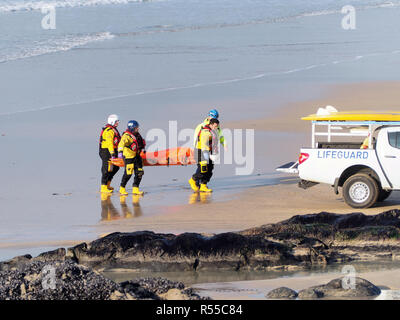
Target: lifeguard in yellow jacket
213,114
108,144
129,149
204,147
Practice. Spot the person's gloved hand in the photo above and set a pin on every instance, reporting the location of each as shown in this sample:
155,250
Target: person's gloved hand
120,155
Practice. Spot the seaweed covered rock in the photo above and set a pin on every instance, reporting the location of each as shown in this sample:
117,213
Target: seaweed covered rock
327,226
67,280
147,250
324,238
282,293
58,281
337,289
156,288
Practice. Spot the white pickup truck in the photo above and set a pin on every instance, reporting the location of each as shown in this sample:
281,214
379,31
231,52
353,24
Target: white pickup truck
367,170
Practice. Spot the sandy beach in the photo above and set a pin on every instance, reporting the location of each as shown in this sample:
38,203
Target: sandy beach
237,203
262,64
277,197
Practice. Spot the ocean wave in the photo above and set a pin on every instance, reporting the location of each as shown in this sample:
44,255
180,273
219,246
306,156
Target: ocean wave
387,4
13,6
55,45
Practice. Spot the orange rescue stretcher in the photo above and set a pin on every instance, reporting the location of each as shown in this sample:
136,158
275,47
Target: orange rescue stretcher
180,156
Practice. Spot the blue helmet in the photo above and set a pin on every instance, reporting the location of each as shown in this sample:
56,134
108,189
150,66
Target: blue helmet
213,114
132,124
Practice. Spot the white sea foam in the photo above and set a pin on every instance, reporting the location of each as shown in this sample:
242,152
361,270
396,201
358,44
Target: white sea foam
23,5
54,45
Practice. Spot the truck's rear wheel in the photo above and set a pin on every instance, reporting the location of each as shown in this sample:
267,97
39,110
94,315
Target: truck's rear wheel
383,194
360,191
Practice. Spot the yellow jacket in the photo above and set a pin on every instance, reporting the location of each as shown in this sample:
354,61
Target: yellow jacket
205,140
109,139
128,145
203,124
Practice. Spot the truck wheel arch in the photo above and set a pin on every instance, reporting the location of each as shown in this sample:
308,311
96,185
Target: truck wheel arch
350,171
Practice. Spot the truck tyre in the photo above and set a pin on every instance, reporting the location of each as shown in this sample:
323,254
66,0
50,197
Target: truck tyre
360,191
383,195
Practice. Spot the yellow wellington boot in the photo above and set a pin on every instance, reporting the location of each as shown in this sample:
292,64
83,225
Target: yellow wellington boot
109,187
135,190
104,189
122,191
203,188
193,185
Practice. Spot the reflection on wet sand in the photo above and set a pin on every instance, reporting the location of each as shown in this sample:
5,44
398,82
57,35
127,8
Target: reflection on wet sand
109,212
202,197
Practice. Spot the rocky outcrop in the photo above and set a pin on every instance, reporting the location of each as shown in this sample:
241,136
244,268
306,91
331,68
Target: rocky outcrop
282,293
325,238
67,280
147,250
310,293
327,227
336,289
301,241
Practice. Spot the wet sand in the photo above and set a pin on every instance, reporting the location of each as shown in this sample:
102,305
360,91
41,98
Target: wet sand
253,207
239,203
360,96
277,197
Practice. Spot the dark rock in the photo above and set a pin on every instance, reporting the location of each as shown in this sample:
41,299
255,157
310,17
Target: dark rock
282,293
325,225
325,238
54,255
335,288
76,282
147,250
71,282
310,293
154,288
16,262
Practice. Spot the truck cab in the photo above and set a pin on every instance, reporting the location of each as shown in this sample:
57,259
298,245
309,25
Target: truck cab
364,161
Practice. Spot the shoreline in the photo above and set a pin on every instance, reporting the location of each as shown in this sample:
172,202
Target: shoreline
267,201
387,280
300,244
382,95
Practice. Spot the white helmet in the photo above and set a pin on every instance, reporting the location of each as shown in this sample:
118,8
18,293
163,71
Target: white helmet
112,119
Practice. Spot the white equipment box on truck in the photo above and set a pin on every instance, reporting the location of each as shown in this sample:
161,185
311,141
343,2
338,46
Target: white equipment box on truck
364,162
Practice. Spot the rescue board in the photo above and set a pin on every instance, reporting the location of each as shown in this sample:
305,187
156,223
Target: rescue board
174,156
358,115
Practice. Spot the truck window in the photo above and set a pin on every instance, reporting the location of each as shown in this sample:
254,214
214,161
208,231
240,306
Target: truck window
394,139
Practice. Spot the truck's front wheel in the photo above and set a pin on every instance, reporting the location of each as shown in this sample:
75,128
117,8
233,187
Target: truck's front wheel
360,191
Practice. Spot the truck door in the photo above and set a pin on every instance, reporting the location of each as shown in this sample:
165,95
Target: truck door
388,150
